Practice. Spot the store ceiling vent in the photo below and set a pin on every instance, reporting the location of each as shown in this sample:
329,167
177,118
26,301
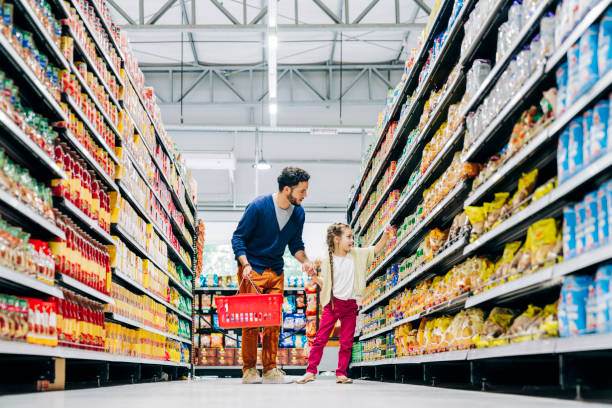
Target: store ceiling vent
210,160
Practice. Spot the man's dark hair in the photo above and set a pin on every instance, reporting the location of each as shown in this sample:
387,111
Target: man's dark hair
291,177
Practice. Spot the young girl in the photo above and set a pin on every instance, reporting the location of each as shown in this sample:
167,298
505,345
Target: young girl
342,280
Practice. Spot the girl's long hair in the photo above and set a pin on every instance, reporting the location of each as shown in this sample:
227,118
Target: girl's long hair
334,230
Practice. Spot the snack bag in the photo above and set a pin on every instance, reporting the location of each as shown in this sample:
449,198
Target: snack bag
504,265
495,210
477,217
460,224
494,327
543,239
526,184
526,324
471,326
550,323
544,189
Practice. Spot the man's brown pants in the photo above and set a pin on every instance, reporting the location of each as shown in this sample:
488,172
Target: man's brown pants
266,282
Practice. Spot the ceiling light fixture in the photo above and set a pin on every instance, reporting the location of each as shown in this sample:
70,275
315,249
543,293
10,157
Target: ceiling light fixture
272,57
262,165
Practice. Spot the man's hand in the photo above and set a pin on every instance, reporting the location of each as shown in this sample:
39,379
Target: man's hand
247,271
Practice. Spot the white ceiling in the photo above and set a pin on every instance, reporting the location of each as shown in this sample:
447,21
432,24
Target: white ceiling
294,48
338,155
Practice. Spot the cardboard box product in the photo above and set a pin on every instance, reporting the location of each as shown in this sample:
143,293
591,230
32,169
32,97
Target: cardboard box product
238,357
259,359
282,357
225,356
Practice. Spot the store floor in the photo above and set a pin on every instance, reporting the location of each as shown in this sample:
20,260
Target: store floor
231,393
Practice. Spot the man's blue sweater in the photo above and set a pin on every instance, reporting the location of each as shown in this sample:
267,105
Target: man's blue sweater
260,239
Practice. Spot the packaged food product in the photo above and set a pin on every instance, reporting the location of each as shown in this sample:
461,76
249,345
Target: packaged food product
603,279
216,340
572,306
576,148
604,55
602,216
573,74
569,232
544,239
562,91
504,264
497,324
544,189
587,65
477,217
495,210
580,213
587,124
526,324
598,135
591,235
563,148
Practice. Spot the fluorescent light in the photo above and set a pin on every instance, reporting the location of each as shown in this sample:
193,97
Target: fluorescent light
272,57
272,41
273,108
272,11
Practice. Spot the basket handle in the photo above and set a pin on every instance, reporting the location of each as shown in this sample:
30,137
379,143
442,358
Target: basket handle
250,280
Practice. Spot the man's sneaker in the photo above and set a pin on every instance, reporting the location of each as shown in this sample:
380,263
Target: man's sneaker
275,376
251,376
306,378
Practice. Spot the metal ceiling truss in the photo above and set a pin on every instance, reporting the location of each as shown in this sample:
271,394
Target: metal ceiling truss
289,78
255,25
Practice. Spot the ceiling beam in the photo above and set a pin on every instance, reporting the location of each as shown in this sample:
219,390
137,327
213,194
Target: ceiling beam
259,15
153,68
423,6
264,129
261,28
162,10
121,12
365,12
225,12
327,11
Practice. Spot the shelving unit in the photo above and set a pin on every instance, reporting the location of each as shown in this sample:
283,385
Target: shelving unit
23,149
26,349
539,152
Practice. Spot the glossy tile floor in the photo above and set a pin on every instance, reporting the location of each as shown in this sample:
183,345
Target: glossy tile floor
217,393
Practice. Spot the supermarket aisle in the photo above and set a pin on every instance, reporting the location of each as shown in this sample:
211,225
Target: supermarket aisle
229,392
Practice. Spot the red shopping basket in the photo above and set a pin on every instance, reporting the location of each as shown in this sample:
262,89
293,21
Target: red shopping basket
249,309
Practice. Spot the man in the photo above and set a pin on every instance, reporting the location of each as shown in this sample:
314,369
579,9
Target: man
268,225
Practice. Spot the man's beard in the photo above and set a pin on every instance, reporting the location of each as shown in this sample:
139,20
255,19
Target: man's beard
293,200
